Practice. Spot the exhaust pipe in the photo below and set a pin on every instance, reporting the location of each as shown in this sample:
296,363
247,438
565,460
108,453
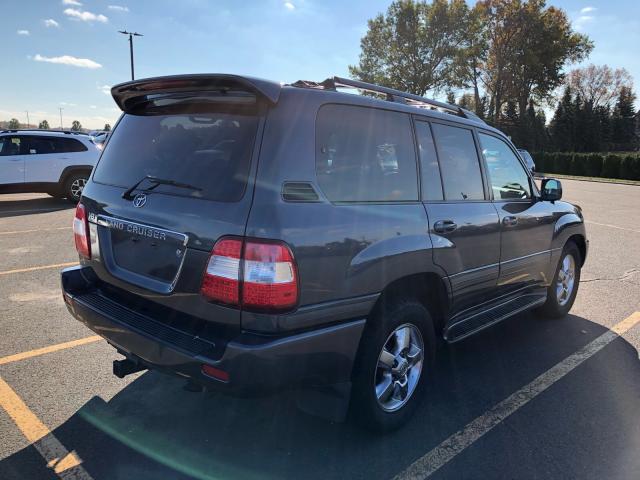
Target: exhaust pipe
122,368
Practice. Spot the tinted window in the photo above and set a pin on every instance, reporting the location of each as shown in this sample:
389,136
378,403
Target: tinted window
506,174
41,145
431,182
461,176
211,151
69,145
365,154
10,146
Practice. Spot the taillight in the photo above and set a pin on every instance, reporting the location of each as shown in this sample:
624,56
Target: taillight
261,277
81,231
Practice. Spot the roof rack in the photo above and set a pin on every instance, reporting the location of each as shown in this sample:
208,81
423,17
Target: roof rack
43,130
391,94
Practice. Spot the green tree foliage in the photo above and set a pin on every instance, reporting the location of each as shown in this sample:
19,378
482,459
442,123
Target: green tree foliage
43,125
623,120
529,44
14,124
76,126
414,46
107,127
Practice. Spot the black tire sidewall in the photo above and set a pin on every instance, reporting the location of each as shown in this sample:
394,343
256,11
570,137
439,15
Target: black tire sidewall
364,407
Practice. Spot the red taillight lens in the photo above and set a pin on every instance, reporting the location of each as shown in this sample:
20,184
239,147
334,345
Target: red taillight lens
264,277
81,232
215,373
222,278
269,277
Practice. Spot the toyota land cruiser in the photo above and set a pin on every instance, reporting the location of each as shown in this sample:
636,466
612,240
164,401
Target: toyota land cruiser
250,236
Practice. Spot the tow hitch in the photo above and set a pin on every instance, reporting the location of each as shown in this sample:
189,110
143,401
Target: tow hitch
122,368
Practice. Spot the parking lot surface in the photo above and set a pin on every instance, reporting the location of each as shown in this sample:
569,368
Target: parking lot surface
528,398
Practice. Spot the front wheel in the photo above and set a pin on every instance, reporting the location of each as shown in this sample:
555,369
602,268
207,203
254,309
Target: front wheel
393,366
563,290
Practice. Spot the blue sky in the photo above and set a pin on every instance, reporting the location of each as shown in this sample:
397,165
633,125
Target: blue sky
67,53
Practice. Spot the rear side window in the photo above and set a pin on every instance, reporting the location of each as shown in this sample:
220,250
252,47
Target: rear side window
459,164
365,155
431,182
64,145
209,151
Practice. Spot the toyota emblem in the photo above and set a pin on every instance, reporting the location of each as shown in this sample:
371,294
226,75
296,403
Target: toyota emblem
139,200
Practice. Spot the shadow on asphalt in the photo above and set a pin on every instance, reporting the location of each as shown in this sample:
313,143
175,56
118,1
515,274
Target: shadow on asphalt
154,429
16,208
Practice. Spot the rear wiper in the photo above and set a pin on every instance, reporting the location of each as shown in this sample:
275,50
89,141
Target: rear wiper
157,181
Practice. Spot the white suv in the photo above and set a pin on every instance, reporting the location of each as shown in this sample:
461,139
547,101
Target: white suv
57,163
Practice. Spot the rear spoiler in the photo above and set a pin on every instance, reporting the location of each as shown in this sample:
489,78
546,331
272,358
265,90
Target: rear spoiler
127,94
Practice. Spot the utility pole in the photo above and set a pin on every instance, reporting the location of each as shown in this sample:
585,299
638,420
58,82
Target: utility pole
27,118
131,35
61,127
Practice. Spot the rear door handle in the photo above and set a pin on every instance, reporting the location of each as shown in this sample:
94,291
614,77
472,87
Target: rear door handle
510,221
444,226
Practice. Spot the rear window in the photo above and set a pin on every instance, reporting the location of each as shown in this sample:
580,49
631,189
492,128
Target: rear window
365,155
210,151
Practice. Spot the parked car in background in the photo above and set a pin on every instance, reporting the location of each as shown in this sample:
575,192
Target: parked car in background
528,159
55,162
99,139
250,236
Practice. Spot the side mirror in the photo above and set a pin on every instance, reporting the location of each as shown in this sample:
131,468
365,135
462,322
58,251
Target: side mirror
551,189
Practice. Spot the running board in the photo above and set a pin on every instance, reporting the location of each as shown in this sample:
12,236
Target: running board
477,321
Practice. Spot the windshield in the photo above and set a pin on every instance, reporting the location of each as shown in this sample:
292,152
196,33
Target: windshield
210,151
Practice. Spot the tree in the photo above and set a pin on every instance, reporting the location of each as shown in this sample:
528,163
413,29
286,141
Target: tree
14,124
76,126
529,44
623,119
107,127
43,125
562,127
599,84
413,47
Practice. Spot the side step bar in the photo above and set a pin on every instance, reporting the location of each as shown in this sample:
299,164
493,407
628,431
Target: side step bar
479,320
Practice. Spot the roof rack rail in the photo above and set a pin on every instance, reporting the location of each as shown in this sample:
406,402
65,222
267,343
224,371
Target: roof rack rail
391,94
49,130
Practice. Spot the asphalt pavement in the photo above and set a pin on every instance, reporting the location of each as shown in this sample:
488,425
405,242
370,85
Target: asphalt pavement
529,398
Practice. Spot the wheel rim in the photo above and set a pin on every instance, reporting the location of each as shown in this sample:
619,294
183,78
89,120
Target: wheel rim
399,367
77,186
566,280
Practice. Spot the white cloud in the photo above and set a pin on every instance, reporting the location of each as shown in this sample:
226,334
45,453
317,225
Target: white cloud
92,107
289,5
85,16
67,104
588,10
582,21
72,2
50,22
69,60
106,89
118,8
23,32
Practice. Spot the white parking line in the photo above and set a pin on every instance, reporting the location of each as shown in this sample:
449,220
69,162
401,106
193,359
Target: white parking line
445,452
611,226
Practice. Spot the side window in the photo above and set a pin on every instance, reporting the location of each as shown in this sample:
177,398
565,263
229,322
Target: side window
40,145
508,177
11,146
431,181
365,155
461,177
64,145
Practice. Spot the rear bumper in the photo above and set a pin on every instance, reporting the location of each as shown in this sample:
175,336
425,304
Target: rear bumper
322,356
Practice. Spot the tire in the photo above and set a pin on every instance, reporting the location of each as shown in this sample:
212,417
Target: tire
74,185
560,300
385,329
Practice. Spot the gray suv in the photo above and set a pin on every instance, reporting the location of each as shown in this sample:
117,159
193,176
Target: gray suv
251,236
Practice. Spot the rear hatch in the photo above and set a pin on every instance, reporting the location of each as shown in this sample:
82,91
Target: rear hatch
176,174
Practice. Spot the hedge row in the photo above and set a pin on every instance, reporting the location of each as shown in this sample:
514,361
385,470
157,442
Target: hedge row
606,165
